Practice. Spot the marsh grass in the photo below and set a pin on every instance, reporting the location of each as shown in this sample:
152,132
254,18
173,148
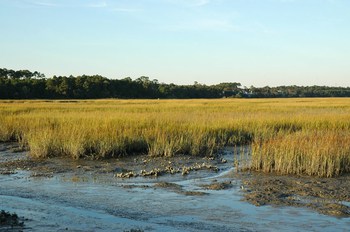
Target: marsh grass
323,153
289,136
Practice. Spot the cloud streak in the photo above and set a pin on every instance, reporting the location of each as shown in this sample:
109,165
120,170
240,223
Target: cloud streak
44,4
101,4
190,3
205,25
121,9
201,2
77,4
111,7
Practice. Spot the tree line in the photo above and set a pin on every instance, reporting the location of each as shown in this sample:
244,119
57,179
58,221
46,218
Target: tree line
24,84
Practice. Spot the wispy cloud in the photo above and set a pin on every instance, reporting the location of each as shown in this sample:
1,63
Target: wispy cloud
190,3
205,25
100,4
301,1
112,7
45,3
121,9
201,2
285,1
79,4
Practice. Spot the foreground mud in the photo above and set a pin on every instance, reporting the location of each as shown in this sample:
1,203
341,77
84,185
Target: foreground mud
10,222
126,167
165,194
329,196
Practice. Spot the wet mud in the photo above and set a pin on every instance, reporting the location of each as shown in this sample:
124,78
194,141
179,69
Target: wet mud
330,196
127,167
218,185
165,194
10,221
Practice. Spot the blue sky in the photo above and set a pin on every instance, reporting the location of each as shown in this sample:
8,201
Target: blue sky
254,42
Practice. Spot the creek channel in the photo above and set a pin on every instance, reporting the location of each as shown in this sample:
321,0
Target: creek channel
73,199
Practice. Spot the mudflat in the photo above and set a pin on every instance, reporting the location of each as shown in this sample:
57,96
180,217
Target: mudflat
165,193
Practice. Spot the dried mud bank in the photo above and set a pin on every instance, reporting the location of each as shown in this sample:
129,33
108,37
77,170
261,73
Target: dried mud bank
330,196
123,168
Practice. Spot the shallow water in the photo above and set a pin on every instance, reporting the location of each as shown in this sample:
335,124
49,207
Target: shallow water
91,202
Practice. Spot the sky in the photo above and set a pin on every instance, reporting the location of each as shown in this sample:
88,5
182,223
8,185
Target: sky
254,42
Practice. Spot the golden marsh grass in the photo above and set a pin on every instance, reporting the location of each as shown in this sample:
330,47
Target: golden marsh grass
289,136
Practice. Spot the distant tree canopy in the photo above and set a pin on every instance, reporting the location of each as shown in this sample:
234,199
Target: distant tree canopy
21,74
24,84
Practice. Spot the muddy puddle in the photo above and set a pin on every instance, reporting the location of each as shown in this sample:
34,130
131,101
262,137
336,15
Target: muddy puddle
165,194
